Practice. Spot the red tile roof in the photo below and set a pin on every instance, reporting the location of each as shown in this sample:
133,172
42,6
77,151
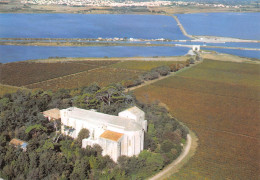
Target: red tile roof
16,142
52,113
111,135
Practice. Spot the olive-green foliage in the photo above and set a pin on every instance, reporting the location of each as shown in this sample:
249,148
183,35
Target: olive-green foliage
162,70
35,129
47,158
84,133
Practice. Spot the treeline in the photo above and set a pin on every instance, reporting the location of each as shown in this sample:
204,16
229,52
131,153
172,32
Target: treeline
51,155
155,73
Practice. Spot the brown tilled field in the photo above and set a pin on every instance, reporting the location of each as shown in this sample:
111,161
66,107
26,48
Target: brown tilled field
220,102
102,76
25,73
144,65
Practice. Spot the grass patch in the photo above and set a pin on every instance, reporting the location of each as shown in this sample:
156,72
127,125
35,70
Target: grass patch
4,89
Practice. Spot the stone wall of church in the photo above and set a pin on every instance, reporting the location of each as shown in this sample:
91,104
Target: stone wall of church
131,144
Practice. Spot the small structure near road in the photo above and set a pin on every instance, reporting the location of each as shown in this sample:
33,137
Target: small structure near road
19,143
196,48
190,53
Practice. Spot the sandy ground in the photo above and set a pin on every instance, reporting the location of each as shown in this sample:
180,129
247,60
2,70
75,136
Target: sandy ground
228,57
168,58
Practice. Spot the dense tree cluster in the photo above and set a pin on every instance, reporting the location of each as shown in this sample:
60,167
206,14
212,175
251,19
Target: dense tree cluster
51,155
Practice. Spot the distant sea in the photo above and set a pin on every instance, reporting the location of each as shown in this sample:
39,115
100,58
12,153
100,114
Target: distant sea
88,26
236,25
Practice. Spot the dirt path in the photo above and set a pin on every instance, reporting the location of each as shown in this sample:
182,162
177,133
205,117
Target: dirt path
159,58
181,27
210,38
174,166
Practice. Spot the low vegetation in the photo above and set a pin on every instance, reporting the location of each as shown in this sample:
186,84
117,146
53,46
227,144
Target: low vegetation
102,76
219,101
24,73
142,65
53,156
4,89
55,74
155,73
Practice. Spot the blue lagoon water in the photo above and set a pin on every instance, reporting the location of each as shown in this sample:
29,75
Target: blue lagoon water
21,53
88,26
236,25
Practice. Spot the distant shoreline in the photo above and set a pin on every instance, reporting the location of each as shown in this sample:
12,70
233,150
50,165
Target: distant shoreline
15,6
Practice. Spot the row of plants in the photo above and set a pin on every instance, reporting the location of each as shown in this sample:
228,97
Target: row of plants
156,72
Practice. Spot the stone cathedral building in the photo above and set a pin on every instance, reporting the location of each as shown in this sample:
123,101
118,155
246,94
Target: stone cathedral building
117,135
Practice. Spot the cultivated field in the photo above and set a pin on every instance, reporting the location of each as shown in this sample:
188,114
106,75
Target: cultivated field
24,73
63,73
142,65
102,76
220,102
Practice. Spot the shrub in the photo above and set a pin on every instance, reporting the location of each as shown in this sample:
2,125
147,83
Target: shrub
173,67
132,82
162,70
84,133
167,146
150,75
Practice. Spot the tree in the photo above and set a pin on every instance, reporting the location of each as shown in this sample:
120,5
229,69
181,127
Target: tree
48,145
167,146
83,134
162,70
150,75
35,129
81,169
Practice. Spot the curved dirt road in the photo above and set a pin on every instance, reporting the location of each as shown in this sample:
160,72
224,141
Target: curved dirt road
167,171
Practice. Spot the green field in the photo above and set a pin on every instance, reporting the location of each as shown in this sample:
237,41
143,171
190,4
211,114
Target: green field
220,102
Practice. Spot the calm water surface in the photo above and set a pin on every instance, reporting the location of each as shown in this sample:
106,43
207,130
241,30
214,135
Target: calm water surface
236,25
88,26
21,53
